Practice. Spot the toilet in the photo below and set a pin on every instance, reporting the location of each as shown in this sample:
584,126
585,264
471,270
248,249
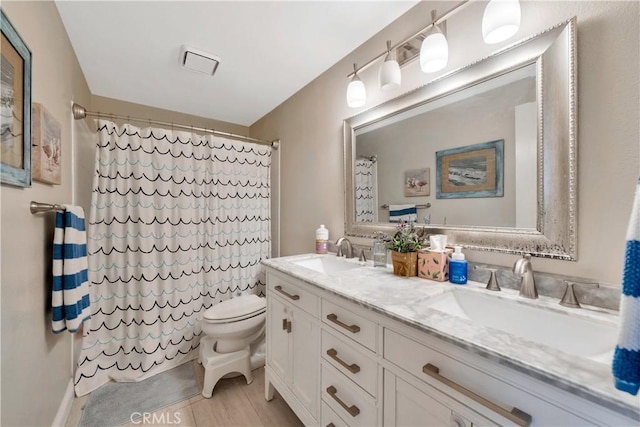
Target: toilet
229,328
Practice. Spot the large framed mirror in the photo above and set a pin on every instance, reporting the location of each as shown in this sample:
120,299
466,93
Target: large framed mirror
486,154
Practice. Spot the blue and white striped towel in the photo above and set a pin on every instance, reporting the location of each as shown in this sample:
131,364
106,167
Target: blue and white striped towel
626,359
403,213
70,297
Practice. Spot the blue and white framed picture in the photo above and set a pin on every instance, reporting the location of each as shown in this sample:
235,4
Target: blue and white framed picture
471,171
15,103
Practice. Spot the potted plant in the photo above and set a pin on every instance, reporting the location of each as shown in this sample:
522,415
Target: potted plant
404,245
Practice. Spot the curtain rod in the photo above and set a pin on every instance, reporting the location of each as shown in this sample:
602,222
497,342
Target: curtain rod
449,13
79,112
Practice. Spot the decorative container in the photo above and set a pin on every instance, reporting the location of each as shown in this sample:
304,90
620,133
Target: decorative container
434,265
405,263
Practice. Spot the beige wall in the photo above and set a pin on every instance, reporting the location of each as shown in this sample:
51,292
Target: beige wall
310,127
36,364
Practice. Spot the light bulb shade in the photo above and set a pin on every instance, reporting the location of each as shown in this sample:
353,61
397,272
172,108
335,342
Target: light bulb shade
434,53
356,93
500,21
389,75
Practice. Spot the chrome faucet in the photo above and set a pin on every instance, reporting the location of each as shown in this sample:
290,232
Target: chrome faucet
349,252
524,268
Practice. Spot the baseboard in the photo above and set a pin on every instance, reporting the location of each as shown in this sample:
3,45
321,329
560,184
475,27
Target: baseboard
65,406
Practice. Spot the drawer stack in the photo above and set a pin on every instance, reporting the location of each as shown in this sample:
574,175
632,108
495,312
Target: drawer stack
349,371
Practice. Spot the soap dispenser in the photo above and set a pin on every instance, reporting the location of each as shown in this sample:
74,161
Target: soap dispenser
458,267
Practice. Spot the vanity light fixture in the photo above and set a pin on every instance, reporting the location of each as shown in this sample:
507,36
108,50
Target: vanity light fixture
389,75
356,92
434,53
501,20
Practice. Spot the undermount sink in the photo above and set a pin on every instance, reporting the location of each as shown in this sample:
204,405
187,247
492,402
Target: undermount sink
574,335
326,264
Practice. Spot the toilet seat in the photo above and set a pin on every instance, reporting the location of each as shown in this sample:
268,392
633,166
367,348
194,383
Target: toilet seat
236,309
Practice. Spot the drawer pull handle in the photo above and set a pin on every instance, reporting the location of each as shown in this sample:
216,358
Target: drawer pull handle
284,324
352,410
517,416
287,294
354,329
288,326
331,425
353,368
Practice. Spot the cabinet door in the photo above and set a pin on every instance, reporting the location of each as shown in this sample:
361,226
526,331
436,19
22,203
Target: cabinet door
278,338
305,361
405,405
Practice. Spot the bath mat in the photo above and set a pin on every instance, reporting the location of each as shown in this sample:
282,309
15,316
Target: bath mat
113,403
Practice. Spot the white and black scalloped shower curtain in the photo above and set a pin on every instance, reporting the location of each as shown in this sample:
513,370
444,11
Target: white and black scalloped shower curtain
178,222
365,194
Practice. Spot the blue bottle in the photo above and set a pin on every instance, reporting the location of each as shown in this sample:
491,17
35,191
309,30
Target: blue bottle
458,267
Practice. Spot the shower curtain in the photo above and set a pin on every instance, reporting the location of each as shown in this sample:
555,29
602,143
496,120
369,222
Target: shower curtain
365,177
178,222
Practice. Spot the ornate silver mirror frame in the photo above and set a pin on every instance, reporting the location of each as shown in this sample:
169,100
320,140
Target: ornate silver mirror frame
554,53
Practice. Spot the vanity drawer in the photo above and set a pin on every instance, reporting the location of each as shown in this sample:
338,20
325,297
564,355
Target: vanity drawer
479,391
293,294
347,400
350,324
351,361
328,417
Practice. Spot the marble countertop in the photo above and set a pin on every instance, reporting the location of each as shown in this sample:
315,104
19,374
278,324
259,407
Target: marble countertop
407,300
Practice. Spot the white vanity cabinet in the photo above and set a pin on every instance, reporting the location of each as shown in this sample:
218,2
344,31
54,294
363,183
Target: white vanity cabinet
337,363
293,338
417,404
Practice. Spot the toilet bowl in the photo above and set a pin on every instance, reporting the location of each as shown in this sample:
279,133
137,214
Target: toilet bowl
229,328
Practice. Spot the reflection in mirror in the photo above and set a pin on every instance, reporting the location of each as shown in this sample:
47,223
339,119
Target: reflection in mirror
499,109
485,154
366,191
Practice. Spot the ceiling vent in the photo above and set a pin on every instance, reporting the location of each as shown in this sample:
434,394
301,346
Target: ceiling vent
197,60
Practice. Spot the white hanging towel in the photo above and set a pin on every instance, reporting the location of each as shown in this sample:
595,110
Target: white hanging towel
70,296
403,213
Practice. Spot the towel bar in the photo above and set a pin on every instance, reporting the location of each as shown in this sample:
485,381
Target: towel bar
427,206
38,207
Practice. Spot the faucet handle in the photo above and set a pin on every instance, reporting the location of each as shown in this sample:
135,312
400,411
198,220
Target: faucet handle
492,284
569,298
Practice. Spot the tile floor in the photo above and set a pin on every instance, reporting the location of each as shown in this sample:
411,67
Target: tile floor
234,403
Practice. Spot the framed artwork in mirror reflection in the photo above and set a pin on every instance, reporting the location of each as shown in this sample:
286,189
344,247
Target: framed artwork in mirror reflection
15,107
416,182
471,171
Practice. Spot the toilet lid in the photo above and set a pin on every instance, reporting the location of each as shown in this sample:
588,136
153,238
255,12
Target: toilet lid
237,307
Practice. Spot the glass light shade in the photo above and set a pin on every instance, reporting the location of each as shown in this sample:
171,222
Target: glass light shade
500,21
389,75
356,93
434,53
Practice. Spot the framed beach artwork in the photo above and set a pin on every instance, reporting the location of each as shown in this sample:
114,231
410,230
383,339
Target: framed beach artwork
15,107
46,146
471,171
416,182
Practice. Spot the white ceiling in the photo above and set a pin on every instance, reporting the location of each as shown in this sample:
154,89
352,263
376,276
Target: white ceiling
269,49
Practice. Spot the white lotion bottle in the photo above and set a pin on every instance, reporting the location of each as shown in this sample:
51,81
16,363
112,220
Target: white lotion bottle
322,240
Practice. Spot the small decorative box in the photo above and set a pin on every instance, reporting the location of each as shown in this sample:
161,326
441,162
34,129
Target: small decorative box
434,265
